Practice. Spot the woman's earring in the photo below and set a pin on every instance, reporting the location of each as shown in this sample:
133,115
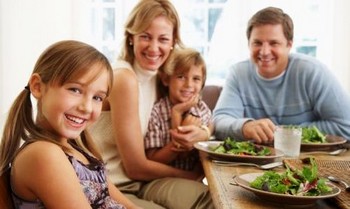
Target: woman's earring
171,48
130,43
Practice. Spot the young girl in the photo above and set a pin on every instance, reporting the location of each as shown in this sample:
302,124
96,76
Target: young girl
183,75
54,167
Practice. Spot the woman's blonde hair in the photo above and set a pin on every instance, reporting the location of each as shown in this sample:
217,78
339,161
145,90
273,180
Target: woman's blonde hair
61,62
141,18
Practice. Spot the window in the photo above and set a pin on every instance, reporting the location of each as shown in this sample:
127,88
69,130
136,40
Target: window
198,20
216,28
107,19
198,25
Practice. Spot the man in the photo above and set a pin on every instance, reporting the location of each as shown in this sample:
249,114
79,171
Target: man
278,87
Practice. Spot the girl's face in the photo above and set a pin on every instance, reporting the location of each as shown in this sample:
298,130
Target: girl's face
183,86
152,47
67,110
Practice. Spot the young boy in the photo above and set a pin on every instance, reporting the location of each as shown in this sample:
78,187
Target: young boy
183,77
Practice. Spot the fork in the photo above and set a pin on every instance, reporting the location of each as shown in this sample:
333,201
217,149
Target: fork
263,167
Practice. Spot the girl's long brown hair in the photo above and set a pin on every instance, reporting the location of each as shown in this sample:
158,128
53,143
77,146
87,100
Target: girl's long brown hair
59,63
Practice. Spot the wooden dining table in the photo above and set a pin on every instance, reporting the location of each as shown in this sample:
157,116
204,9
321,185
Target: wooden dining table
226,194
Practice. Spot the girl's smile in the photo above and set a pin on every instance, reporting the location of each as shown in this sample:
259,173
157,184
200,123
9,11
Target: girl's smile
80,107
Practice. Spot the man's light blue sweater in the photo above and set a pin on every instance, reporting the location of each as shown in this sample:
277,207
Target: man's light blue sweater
306,94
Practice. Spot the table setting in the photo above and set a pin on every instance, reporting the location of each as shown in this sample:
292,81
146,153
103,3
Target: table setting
337,171
230,175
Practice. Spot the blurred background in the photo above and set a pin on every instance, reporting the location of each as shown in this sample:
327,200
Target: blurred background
214,27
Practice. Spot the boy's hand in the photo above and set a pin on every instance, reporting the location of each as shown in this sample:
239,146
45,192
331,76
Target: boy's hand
185,106
191,120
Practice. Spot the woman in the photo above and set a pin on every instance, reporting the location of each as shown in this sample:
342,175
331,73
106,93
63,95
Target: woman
151,32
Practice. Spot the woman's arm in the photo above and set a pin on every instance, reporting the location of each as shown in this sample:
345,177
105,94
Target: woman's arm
127,131
165,154
58,186
188,135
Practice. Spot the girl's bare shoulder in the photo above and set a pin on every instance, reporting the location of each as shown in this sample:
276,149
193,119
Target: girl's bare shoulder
38,159
40,152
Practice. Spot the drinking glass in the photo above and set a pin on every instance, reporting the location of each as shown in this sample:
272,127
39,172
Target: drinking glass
288,140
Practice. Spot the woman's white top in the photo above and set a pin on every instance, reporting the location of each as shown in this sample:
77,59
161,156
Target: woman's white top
102,130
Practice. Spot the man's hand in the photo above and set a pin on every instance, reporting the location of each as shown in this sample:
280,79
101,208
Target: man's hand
261,131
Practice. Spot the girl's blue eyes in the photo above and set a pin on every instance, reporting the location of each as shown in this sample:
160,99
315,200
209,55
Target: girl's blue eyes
75,90
78,91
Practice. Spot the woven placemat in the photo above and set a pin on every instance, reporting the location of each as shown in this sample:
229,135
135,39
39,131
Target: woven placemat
336,168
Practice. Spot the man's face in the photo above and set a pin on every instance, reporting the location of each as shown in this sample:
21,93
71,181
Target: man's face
269,49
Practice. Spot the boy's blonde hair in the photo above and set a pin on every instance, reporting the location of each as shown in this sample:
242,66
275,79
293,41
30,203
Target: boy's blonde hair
181,60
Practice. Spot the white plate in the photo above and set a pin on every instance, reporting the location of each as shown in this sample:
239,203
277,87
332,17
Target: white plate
331,143
245,179
208,147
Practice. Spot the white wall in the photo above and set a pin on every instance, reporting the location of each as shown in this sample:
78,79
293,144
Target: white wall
341,47
27,28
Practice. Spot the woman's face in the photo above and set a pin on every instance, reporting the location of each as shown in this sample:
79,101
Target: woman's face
152,47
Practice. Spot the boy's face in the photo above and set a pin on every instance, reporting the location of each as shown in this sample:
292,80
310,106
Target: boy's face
184,85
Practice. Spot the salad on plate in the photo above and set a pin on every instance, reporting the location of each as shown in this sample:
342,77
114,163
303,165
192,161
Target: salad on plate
312,135
305,182
231,146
